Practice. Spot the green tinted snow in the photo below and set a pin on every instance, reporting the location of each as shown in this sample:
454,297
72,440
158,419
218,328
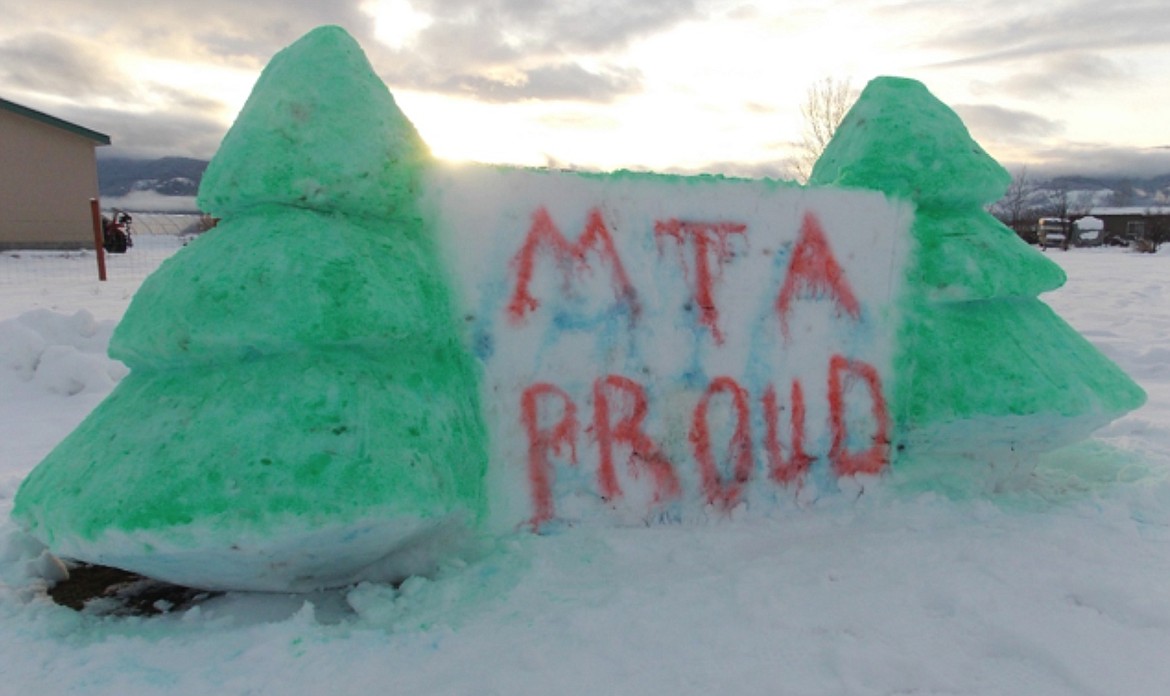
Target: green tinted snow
900,136
322,436
321,131
302,360
975,341
277,278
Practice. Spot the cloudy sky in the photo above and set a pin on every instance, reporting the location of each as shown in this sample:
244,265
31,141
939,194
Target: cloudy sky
1064,86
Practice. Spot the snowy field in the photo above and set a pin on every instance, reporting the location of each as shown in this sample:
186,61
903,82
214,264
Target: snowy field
1047,577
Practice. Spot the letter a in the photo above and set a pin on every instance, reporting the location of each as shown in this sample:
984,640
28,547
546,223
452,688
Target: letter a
813,267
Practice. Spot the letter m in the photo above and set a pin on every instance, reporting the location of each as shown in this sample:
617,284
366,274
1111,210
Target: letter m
569,256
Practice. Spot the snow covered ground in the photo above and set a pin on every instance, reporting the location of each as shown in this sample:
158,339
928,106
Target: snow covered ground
1043,577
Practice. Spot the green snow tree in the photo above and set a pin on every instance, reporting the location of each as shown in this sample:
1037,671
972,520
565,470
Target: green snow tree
975,342
296,369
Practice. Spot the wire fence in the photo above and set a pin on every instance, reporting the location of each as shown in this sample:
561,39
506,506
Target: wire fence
65,281
154,237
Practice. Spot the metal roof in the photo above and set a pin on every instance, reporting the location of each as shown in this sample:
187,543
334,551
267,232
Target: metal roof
1131,210
99,138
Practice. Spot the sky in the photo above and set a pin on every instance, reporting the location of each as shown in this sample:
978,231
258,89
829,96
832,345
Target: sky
1057,86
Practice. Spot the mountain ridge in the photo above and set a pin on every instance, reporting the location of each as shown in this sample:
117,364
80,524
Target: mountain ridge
180,176
168,176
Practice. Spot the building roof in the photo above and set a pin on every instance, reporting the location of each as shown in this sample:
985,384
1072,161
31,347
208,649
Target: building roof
99,138
1131,210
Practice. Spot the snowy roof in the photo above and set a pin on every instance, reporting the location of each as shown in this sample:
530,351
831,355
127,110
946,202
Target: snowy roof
13,107
1132,210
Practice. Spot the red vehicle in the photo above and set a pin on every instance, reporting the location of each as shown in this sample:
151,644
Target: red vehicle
116,237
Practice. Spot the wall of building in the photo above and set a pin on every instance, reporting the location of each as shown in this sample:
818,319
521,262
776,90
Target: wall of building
47,176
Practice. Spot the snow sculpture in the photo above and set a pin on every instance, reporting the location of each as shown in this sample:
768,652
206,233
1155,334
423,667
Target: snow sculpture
374,353
299,401
659,347
982,364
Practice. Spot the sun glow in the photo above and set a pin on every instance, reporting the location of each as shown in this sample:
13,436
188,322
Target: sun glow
696,107
396,22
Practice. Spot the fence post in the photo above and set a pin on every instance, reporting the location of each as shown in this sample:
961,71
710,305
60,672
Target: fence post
98,245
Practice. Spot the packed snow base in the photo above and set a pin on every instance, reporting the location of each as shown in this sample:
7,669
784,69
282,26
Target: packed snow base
370,354
1048,579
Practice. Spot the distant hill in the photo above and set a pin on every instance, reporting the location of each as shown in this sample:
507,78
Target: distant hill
1124,191
180,176
167,176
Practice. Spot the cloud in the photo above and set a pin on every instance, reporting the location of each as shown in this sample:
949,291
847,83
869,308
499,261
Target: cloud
1008,31
756,107
223,31
492,50
184,101
567,52
567,81
464,49
256,29
51,64
94,64
510,50
1060,75
996,123
1016,132
150,134
572,25
577,120
1088,159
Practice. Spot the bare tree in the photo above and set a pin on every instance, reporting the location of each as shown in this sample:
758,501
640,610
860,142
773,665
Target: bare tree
826,103
1059,202
1155,230
1016,209
1080,205
1060,206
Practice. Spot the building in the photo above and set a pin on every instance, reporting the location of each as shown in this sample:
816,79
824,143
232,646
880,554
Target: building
48,174
1132,224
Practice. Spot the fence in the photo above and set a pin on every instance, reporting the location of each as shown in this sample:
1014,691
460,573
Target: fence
64,279
153,236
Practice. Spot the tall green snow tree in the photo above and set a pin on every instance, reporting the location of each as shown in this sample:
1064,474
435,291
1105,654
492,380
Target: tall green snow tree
295,370
976,343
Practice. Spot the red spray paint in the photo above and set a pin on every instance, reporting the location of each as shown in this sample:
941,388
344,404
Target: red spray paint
725,494
544,233
781,469
706,237
644,453
814,268
543,441
874,458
